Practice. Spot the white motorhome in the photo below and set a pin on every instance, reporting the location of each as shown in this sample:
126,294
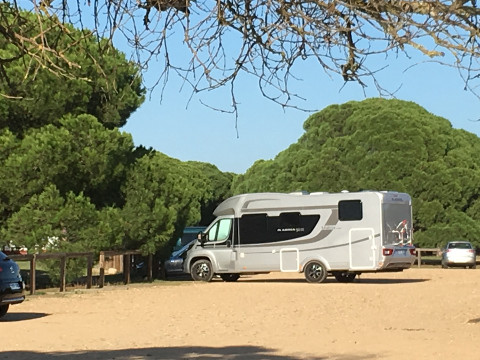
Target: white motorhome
340,234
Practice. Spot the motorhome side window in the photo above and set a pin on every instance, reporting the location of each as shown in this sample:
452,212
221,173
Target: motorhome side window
220,231
260,228
350,210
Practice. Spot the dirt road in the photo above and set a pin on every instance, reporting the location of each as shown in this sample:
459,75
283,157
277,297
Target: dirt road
417,314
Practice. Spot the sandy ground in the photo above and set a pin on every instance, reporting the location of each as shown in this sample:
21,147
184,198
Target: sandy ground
417,314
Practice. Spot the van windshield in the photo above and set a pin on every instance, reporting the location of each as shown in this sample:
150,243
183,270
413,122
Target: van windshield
397,226
220,231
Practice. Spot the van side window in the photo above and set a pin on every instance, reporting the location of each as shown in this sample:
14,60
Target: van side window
220,231
253,229
349,210
260,228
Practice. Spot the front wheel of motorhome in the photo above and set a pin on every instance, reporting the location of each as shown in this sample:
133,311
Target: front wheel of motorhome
202,270
315,272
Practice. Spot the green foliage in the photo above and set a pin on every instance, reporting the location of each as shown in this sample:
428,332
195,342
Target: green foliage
384,145
158,195
163,196
216,188
80,156
103,84
51,222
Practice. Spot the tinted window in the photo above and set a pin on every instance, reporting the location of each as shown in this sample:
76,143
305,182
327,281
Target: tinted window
460,246
260,228
253,229
349,210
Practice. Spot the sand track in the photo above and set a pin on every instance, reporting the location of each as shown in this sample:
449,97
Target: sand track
418,314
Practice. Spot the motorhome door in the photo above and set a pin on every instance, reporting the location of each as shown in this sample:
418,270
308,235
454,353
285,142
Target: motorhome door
362,249
220,242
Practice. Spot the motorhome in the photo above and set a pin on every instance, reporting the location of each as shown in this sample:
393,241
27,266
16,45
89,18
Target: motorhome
320,234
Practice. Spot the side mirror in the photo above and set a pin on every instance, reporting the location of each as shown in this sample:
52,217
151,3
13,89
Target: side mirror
202,238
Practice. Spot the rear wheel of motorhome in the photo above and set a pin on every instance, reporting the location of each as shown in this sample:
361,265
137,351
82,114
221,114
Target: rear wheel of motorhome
315,272
344,276
202,270
230,277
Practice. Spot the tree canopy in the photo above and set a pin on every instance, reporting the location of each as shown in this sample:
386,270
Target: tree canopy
384,145
84,74
70,180
264,39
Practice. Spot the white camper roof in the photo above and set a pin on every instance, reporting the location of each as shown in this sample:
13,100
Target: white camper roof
264,202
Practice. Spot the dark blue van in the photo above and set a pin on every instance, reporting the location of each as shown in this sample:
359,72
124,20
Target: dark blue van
174,265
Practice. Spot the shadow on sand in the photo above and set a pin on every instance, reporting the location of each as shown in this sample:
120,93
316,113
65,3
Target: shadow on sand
22,316
358,280
172,353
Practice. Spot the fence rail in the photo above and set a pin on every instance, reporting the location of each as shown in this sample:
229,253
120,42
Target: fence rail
127,257
435,251
32,258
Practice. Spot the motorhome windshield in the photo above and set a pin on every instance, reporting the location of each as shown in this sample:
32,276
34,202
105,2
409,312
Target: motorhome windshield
397,224
220,231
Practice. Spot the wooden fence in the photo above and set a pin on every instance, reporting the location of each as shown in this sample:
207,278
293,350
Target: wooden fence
432,251
32,258
127,260
127,255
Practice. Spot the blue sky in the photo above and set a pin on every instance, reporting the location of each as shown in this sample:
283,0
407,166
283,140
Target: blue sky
187,130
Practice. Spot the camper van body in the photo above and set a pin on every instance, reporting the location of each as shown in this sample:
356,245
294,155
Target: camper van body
340,234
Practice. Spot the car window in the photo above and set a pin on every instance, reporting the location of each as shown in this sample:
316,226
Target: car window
459,246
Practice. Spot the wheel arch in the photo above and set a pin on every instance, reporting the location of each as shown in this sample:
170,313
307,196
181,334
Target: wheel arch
199,257
308,260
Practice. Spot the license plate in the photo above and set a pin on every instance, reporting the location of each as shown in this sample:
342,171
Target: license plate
15,286
401,251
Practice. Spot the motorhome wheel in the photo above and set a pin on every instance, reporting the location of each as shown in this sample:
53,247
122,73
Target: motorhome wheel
202,270
315,272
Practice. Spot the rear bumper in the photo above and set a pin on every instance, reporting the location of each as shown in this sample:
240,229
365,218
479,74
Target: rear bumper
457,262
12,292
12,298
398,265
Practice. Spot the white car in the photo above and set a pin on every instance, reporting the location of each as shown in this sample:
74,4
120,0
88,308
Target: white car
459,253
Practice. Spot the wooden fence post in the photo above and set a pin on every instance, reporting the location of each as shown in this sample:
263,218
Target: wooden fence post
63,266
101,280
150,267
89,270
126,268
33,267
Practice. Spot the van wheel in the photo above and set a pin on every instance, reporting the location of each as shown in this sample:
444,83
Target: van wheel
202,270
230,277
3,310
344,276
315,272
